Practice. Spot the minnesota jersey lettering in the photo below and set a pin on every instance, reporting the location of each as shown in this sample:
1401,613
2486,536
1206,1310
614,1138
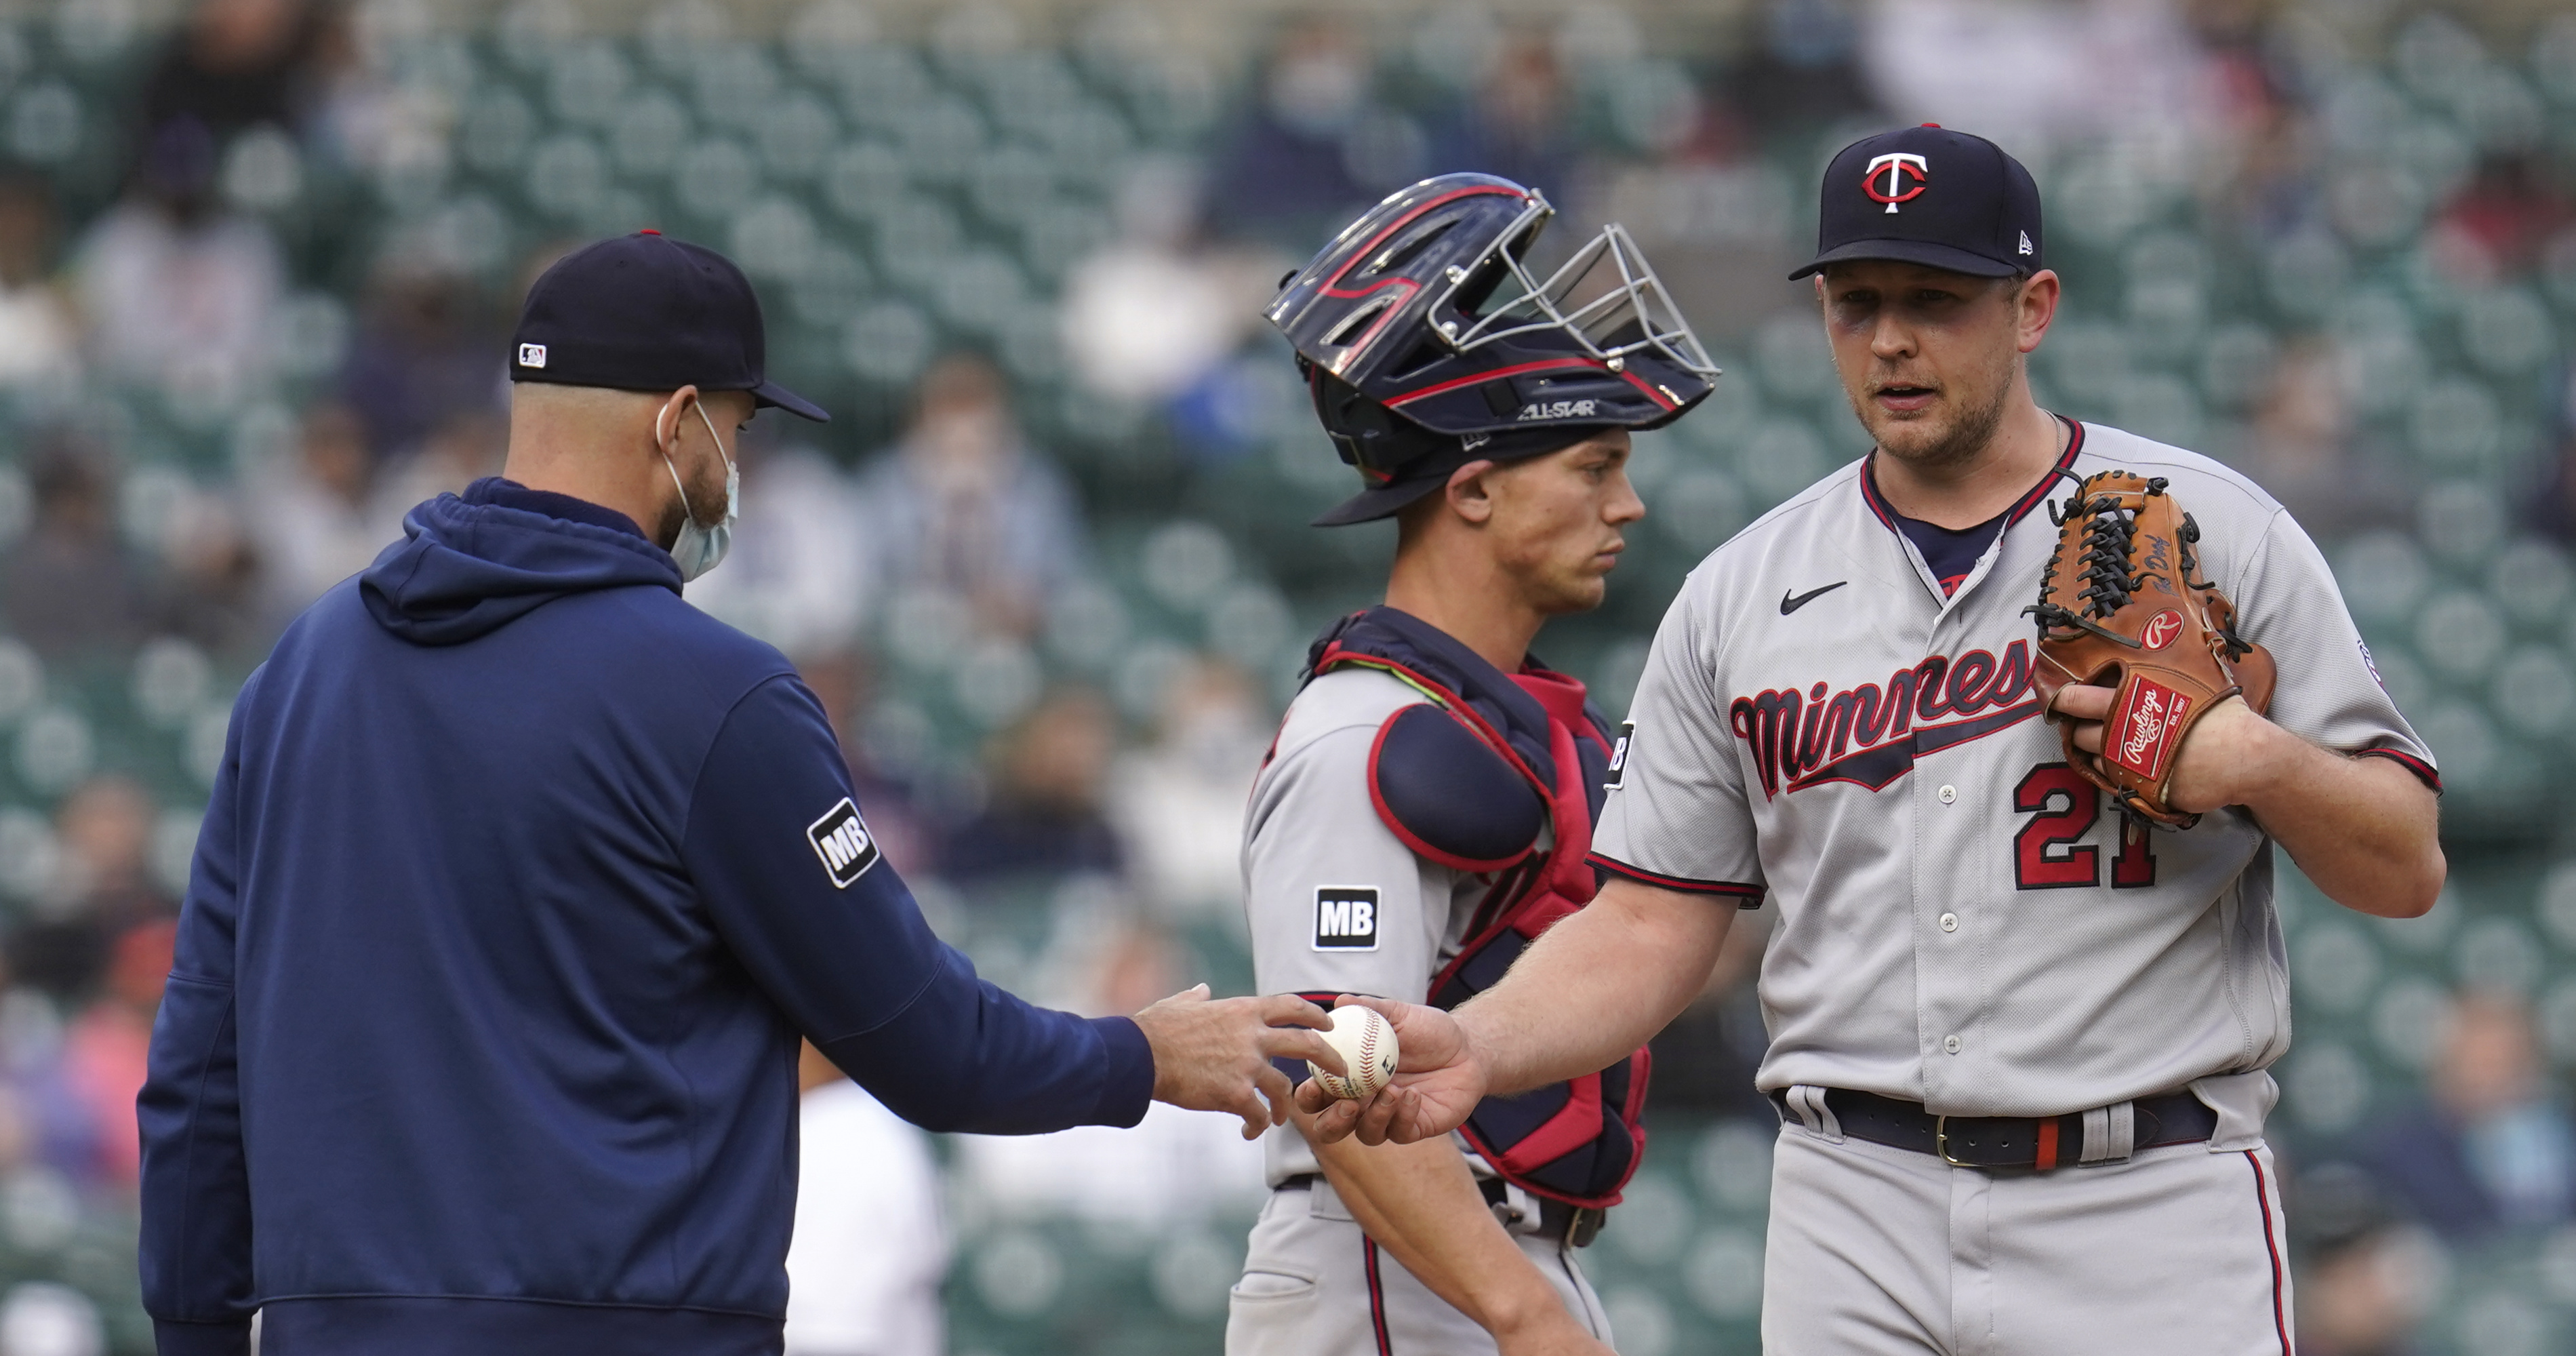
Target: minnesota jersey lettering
1346,918
1809,749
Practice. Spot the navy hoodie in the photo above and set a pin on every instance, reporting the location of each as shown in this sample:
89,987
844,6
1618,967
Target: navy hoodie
520,880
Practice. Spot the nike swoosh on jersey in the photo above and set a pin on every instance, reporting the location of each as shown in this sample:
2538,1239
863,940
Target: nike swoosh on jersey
1791,602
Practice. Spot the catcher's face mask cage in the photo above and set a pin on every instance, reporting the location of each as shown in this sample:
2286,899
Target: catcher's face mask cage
1606,298
1428,306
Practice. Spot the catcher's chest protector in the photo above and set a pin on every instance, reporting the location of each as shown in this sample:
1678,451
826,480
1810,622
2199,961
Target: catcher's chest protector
2123,605
1503,776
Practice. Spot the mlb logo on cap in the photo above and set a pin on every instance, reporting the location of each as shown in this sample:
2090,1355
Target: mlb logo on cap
532,355
1927,195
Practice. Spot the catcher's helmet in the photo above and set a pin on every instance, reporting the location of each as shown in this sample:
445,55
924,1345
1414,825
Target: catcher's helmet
1424,337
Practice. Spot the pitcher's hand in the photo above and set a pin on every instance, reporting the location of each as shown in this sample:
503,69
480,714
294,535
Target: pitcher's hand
1437,1082
2226,756
1214,1054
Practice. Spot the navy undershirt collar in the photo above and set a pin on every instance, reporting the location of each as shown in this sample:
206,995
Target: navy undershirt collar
1952,555
512,494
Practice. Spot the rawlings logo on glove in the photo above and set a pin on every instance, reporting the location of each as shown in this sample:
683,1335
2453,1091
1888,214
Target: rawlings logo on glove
2123,606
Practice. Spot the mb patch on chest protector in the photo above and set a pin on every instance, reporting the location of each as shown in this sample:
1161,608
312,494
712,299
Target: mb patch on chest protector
1346,918
842,840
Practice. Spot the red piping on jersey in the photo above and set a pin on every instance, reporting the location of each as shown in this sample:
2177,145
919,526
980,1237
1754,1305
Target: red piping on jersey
2021,508
2271,1249
1377,798
1683,883
1377,1299
2409,762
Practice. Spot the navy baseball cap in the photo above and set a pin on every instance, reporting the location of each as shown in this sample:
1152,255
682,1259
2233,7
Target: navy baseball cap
644,312
1927,195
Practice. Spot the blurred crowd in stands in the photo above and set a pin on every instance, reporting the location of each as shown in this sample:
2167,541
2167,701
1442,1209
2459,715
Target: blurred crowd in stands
257,231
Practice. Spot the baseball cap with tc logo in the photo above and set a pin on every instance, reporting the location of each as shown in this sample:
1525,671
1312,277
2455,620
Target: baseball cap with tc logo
644,312
1927,195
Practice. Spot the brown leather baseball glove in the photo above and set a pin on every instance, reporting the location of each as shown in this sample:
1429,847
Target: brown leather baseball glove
2123,606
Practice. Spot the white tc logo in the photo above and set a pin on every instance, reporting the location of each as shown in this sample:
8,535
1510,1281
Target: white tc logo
1899,166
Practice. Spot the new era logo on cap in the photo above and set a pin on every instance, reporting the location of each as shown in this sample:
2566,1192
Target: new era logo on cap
532,355
842,840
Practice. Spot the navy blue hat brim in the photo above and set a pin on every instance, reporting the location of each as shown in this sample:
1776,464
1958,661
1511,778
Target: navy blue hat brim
771,393
1384,501
1432,472
1923,252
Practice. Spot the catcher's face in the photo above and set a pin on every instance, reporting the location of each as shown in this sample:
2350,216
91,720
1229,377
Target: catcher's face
1931,359
1556,524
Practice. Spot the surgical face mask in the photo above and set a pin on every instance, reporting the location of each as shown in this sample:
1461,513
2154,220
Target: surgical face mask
698,549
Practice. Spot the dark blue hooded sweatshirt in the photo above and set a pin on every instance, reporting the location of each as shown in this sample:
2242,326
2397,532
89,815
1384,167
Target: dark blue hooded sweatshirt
520,881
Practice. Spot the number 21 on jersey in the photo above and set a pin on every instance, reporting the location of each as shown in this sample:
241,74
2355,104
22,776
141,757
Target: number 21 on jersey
2049,853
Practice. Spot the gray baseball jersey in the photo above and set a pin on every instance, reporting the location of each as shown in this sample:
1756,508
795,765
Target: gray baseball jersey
1962,921
1338,904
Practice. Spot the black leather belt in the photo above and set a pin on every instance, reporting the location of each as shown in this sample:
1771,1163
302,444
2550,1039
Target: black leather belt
1571,1225
2003,1142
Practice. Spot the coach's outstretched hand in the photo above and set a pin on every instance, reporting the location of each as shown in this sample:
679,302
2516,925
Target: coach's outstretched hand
1437,1082
1214,1055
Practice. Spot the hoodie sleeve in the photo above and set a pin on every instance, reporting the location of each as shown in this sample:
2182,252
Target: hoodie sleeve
195,1251
778,849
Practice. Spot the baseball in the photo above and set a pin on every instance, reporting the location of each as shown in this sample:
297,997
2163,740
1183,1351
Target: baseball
1366,1043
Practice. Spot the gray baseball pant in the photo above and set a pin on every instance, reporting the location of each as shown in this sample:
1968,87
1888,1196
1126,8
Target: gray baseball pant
1876,1251
1314,1285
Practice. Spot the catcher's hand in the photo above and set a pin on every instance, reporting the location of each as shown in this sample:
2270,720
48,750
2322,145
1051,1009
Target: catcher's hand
2123,606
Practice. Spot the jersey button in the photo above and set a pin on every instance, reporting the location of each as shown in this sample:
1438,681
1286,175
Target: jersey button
1949,922
1949,794
1950,1043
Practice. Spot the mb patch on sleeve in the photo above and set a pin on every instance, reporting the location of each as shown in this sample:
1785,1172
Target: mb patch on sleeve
1619,755
1346,918
842,840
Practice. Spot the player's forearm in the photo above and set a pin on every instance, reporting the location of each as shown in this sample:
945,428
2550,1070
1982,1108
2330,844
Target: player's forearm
1421,1203
1596,986
2363,829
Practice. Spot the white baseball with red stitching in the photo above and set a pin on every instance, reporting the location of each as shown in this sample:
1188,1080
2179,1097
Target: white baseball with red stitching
1366,1043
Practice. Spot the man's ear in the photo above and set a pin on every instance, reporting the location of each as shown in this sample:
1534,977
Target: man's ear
2035,308
673,416
1468,495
